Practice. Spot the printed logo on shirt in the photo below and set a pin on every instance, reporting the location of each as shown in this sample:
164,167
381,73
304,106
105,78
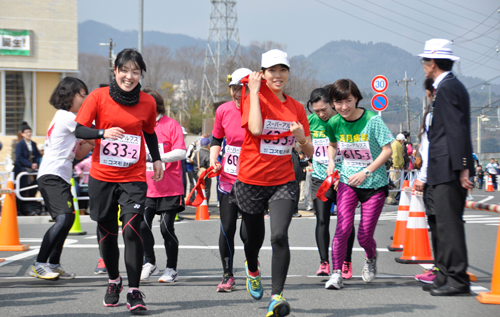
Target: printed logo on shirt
353,138
137,206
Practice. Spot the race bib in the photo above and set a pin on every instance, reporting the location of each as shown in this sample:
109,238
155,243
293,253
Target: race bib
355,154
280,147
231,159
321,150
149,165
121,153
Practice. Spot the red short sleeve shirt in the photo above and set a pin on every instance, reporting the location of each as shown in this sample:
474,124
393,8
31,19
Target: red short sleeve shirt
119,161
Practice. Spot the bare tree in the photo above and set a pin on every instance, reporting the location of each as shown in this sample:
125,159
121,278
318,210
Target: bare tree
94,70
160,66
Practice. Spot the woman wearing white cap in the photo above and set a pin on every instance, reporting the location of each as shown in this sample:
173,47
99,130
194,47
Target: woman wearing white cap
228,124
266,180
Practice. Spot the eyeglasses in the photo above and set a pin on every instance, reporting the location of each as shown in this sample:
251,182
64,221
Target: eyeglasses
424,60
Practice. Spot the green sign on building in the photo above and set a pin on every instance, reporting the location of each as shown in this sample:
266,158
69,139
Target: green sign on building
15,42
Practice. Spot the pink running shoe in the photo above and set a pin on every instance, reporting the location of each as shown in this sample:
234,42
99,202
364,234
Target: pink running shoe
324,269
347,270
227,284
428,277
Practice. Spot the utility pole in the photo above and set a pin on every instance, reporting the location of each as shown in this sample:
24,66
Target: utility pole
223,45
141,26
406,81
111,44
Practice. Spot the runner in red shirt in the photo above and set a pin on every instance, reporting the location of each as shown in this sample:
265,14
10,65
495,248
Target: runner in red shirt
124,118
266,180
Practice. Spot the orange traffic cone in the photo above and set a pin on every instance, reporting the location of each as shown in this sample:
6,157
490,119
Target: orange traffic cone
9,231
202,210
417,248
398,239
489,185
493,297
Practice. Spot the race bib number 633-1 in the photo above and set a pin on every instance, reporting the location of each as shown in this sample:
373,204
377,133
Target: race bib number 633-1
123,152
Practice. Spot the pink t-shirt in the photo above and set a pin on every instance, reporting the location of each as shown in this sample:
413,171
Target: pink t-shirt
170,137
228,124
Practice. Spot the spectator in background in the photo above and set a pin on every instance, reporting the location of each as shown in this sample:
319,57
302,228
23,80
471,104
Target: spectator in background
407,151
202,162
397,164
183,166
492,169
479,176
83,188
191,174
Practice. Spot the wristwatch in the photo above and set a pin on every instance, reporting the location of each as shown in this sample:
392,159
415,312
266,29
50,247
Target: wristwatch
367,172
101,134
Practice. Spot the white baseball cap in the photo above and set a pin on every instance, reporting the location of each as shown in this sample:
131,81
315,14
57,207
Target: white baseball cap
274,57
401,137
238,75
439,49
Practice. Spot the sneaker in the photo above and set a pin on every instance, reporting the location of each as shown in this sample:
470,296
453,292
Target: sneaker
63,274
297,215
254,286
135,300
335,281
370,269
278,306
43,271
169,276
112,297
148,269
309,208
100,267
427,277
347,270
324,269
227,284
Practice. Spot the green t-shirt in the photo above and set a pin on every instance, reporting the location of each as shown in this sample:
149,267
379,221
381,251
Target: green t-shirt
320,142
360,143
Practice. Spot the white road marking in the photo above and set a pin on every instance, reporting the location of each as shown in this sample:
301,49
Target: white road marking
486,199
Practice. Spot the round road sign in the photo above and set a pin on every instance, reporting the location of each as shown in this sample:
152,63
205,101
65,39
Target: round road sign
379,84
380,102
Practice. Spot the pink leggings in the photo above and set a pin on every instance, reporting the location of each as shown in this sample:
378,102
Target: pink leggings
347,200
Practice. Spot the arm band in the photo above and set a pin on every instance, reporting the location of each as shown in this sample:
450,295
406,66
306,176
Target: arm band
216,142
82,132
152,142
173,156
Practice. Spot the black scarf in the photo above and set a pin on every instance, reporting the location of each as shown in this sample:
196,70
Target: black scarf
127,98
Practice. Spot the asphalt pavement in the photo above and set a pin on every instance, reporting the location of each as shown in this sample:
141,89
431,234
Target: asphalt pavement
394,292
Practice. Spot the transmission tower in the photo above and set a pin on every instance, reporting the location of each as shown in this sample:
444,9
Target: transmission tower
223,45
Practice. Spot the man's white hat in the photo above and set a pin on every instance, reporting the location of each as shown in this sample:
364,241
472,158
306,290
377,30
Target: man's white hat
184,131
401,137
274,57
439,49
238,75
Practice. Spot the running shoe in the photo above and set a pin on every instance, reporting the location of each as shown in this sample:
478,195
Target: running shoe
324,269
254,286
169,276
148,269
370,269
278,306
335,281
63,274
135,300
43,271
227,284
112,296
347,270
309,208
101,267
427,277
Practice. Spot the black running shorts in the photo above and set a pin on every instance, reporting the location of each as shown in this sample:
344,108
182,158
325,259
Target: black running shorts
56,193
105,197
331,194
162,204
255,199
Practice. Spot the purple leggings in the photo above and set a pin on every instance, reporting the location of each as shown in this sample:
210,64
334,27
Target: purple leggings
370,212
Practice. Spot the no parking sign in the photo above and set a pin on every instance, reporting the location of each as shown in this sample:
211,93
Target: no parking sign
379,85
379,102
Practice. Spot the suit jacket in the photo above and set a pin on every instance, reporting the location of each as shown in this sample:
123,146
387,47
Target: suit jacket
23,156
450,148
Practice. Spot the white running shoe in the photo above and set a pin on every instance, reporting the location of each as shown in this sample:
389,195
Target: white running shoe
43,271
335,281
370,269
63,274
169,276
148,269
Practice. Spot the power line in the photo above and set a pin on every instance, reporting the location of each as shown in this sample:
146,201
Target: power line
465,8
479,25
433,5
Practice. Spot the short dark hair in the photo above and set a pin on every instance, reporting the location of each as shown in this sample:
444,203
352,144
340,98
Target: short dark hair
342,89
444,64
160,103
63,95
428,84
130,54
263,69
317,95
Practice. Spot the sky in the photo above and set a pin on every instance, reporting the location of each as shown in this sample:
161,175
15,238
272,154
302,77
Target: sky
306,25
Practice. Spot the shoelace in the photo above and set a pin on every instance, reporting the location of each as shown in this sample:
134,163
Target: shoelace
255,284
278,297
347,266
140,294
226,279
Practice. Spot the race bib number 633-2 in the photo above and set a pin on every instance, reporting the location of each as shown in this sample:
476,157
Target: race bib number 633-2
123,152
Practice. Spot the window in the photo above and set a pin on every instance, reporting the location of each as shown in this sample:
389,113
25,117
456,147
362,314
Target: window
18,100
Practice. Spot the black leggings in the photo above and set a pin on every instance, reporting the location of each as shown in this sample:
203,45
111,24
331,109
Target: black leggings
323,209
281,212
108,231
228,219
167,231
54,238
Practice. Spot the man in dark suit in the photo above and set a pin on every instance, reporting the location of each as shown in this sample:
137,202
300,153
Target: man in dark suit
450,164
